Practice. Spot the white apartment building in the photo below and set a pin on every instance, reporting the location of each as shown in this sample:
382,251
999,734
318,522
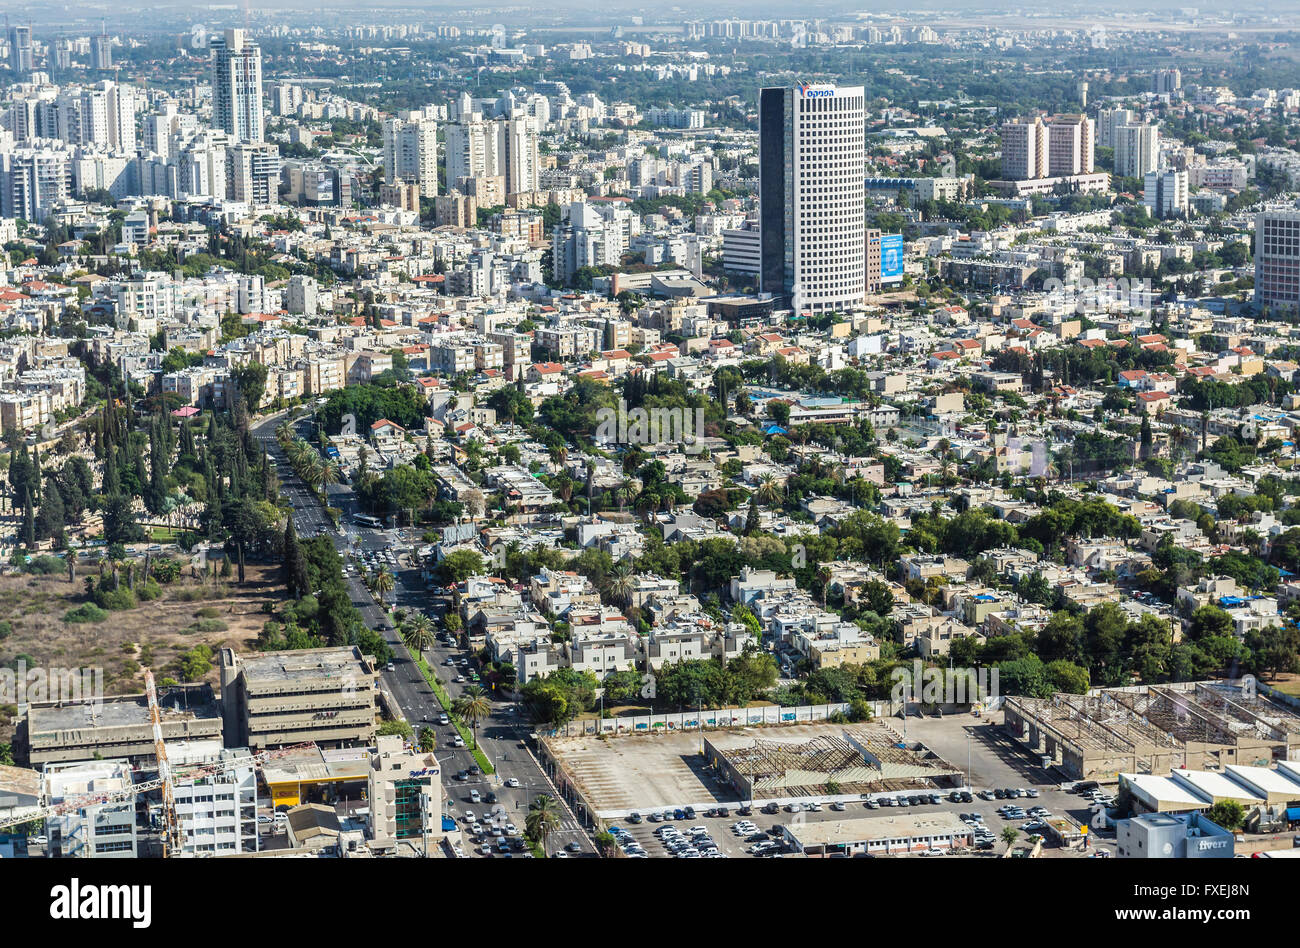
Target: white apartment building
1165,193
1137,150
102,831
411,152
218,812
237,86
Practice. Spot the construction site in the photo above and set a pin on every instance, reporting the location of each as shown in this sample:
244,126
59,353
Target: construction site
1153,729
616,776
859,760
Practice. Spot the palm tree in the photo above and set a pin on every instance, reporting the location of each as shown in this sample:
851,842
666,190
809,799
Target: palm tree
383,583
543,817
620,583
329,474
472,706
624,492
768,489
417,633
428,740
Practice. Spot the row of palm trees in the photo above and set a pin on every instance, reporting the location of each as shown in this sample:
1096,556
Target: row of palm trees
309,464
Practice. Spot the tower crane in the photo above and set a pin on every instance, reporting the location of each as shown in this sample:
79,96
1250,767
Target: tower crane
172,836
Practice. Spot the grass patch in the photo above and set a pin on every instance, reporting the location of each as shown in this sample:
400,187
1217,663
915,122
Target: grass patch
206,627
444,699
86,613
1291,687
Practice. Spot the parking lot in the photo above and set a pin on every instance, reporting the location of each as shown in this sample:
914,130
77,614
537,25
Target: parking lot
650,774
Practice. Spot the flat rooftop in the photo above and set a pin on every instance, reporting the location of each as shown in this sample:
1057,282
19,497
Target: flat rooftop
189,704
303,665
872,828
91,776
311,764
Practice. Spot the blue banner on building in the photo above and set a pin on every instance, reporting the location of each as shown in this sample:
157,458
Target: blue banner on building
891,258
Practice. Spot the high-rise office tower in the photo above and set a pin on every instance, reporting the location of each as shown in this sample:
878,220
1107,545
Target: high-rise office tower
237,86
1137,150
411,152
812,155
1277,257
21,58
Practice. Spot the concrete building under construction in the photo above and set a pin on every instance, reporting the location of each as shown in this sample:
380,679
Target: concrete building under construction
115,727
860,760
1153,729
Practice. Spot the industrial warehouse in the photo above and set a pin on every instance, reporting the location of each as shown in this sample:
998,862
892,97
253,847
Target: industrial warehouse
1154,729
858,761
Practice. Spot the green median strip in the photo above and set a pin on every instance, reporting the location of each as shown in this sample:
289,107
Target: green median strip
444,699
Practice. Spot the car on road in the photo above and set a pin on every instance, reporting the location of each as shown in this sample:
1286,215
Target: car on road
459,679
391,667
838,807
573,847
458,741
443,719
634,818
475,796
512,782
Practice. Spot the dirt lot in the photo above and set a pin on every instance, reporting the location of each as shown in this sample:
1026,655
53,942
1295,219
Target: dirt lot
189,613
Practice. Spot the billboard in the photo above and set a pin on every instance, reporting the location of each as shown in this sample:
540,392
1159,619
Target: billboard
891,258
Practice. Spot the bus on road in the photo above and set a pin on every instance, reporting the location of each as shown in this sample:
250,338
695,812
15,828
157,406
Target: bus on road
367,521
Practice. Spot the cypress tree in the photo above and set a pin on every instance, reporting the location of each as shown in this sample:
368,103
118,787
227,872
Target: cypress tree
29,521
295,567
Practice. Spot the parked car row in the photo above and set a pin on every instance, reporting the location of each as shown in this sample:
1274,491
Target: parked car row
695,843
627,844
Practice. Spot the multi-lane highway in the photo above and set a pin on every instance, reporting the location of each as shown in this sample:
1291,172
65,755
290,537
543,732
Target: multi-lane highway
502,735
